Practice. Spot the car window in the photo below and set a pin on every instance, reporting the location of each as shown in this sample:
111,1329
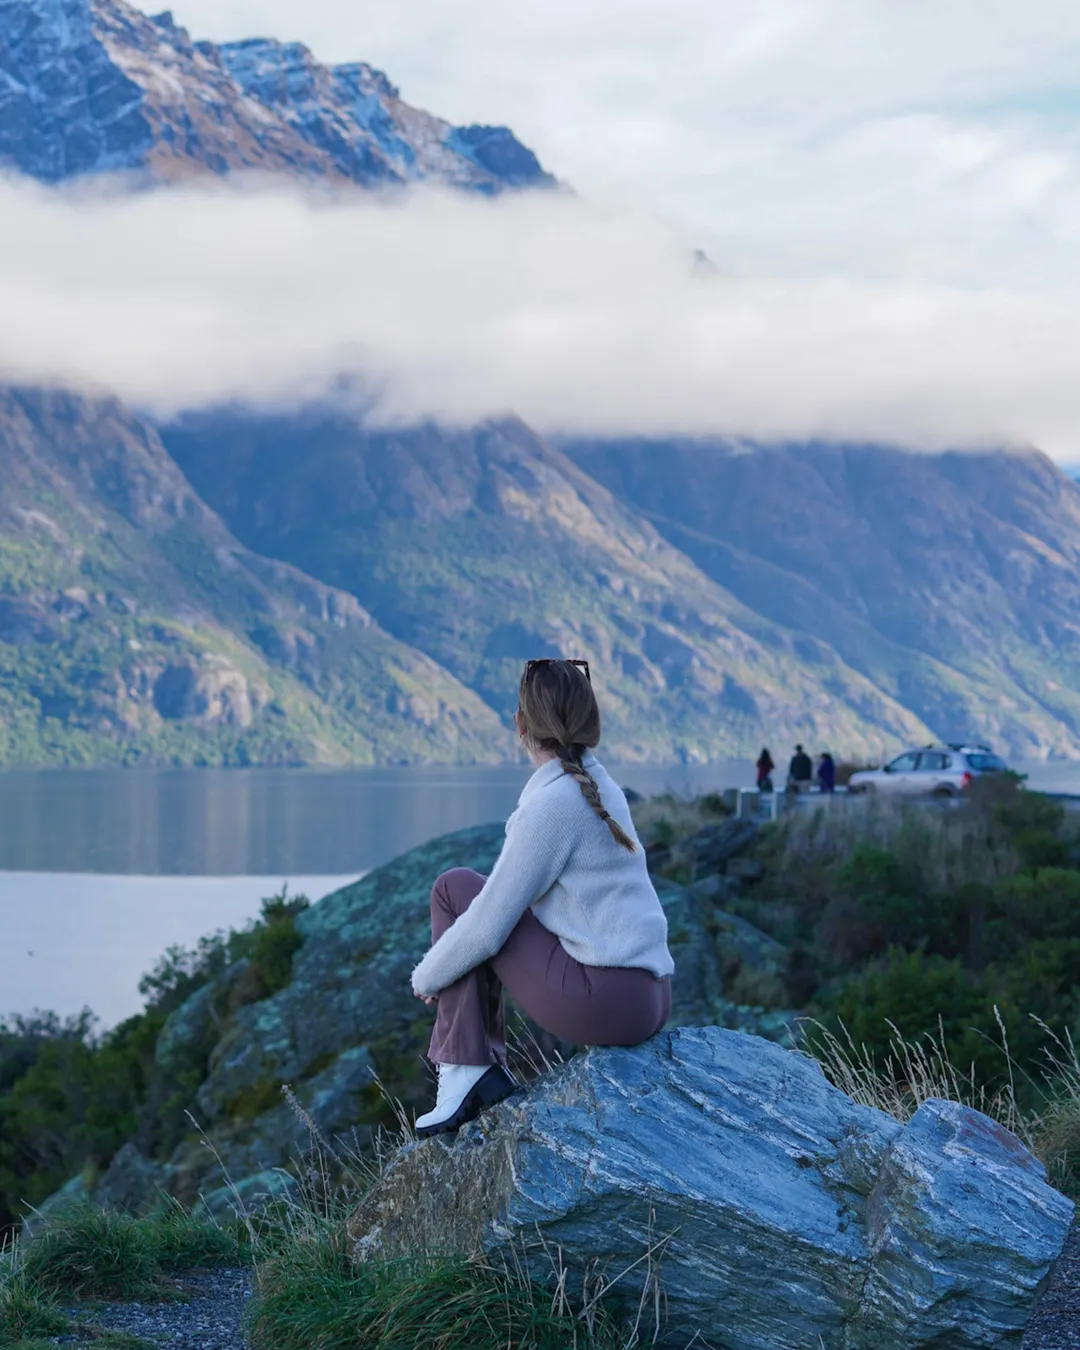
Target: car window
932,761
986,763
905,764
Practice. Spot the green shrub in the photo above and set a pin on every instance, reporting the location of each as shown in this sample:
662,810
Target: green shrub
276,940
920,996
1044,905
71,1096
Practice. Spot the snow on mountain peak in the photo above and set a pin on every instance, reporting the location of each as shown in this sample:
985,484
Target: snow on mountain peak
90,86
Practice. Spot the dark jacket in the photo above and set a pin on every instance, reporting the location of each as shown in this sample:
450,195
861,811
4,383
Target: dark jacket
801,769
827,773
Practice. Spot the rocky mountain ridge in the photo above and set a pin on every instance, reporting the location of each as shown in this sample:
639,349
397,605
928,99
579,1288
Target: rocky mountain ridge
95,86
950,580
133,625
487,545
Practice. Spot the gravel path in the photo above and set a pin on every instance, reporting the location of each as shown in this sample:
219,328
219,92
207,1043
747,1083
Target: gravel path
212,1319
1055,1324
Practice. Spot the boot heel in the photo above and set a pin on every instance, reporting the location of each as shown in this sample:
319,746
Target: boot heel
495,1086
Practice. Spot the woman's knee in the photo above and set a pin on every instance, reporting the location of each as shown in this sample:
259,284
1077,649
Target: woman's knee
456,889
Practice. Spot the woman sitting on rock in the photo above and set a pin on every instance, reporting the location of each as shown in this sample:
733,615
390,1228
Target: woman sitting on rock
568,921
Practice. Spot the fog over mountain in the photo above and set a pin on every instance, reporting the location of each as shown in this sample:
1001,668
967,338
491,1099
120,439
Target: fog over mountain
399,410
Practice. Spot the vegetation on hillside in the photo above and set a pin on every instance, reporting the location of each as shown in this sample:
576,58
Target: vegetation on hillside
918,936
135,629
88,1255
70,1095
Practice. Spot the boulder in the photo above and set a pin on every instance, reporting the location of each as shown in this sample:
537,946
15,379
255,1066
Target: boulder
350,980
132,1182
779,1214
713,847
248,1196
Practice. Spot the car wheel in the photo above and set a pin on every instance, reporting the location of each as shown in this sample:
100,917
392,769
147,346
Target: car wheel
939,793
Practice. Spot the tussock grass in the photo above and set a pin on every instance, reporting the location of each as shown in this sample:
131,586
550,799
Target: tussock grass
89,1252
669,817
312,1293
27,1308
92,1253
942,849
181,1240
915,1071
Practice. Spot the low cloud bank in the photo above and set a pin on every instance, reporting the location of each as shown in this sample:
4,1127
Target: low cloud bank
575,318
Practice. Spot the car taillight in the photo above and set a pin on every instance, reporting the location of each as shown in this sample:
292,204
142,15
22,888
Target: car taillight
967,780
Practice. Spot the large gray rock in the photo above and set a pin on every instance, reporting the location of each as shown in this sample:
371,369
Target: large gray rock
132,1182
789,1217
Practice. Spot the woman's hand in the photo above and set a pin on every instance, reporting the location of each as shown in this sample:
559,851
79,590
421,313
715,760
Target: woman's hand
424,998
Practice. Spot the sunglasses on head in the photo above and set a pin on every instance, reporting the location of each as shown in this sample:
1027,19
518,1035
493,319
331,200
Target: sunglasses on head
583,666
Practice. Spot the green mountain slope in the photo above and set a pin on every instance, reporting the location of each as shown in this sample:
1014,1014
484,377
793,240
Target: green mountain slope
134,626
488,546
951,580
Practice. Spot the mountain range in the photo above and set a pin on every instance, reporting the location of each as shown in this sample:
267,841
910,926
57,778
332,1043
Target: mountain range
94,86
242,587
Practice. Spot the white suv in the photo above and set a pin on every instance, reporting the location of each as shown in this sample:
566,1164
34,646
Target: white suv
936,770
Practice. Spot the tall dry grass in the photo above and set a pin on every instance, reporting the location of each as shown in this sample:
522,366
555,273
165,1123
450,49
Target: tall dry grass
916,1071
942,848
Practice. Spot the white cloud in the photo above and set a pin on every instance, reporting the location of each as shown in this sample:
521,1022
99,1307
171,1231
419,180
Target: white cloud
572,316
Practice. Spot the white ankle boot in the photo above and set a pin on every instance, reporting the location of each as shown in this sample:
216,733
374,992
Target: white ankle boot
464,1091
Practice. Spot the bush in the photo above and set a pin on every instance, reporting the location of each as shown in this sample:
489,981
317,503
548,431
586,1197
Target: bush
276,940
71,1096
919,996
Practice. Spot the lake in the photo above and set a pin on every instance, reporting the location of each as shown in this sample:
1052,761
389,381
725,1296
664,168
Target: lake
101,870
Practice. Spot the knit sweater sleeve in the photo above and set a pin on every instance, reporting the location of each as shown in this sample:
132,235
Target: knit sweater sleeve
533,856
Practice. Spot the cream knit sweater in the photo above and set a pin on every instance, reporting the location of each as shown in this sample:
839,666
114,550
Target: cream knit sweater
560,859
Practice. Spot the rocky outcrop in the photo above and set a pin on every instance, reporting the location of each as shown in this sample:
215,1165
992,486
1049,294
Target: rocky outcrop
776,1213
347,1016
93,86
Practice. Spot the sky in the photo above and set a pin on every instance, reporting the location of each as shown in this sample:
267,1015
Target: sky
890,194
928,138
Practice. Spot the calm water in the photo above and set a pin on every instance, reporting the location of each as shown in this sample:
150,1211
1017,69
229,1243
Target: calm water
101,870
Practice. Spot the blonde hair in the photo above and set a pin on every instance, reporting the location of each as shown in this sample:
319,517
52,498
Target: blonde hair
559,713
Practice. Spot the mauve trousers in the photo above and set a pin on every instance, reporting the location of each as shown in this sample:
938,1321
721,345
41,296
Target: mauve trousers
588,1005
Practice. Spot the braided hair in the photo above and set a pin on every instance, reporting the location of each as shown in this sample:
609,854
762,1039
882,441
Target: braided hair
560,714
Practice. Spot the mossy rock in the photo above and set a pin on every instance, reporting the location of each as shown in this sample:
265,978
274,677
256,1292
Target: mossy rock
350,978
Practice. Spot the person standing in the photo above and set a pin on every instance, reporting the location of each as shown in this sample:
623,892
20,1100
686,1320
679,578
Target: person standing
826,773
765,768
800,770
